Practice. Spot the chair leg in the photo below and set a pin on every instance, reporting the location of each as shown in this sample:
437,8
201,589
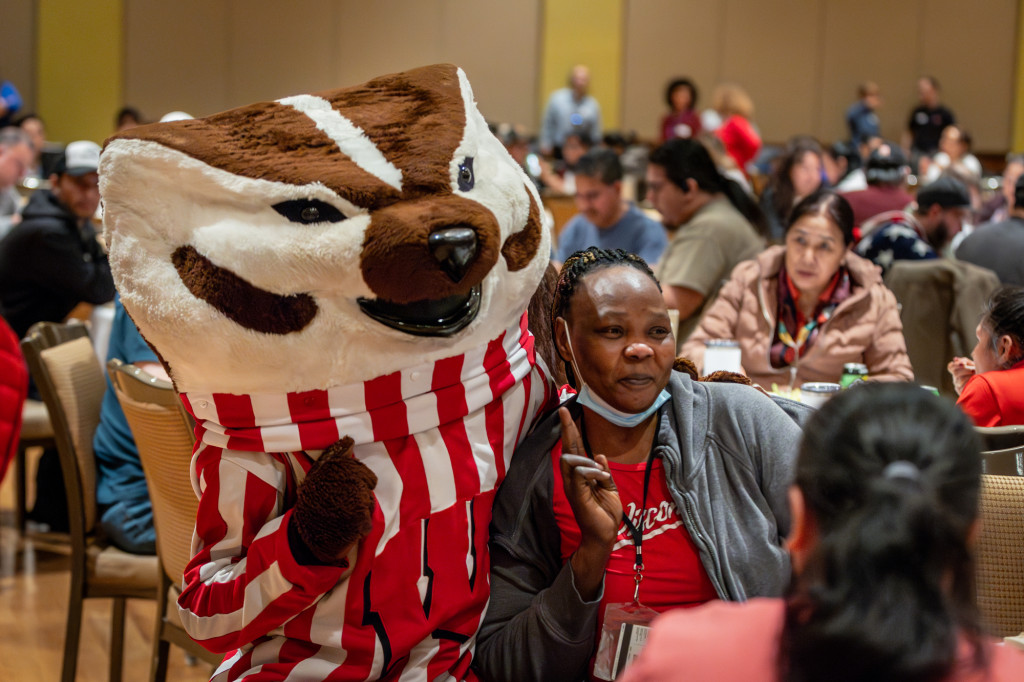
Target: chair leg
161,647
117,638
73,632
161,653
21,504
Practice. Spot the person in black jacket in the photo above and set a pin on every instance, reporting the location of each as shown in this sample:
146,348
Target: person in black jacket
51,261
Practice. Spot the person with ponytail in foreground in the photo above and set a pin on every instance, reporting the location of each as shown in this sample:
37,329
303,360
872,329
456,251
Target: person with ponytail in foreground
884,511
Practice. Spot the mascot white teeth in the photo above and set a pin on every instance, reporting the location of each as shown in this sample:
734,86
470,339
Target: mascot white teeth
337,284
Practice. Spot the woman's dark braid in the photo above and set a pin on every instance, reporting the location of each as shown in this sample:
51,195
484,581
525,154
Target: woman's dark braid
584,262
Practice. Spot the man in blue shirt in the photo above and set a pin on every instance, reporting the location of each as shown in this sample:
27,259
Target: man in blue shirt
121,492
604,219
570,110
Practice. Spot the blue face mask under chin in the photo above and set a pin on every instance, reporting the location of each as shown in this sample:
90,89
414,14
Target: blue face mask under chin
588,398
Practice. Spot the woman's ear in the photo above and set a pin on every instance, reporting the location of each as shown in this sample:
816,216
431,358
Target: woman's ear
562,339
802,533
1006,350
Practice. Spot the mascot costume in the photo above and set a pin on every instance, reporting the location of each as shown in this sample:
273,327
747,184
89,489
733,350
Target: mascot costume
337,284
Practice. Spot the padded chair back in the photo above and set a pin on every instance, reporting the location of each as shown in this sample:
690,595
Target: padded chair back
1006,462
999,555
164,436
70,381
1001,437
940,301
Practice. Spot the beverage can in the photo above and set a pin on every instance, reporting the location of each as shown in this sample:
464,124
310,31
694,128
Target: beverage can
853,372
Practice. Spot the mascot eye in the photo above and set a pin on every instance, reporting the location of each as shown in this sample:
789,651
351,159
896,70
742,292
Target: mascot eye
466,179
309,211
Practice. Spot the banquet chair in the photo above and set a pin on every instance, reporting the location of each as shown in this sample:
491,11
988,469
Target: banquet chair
163,433
1001,437
70,381
1005,462
940,300
999,555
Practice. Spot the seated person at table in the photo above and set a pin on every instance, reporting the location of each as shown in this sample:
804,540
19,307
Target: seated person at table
713,224
51,261
694,473
884,512
802,310
126,514
605,219
991,387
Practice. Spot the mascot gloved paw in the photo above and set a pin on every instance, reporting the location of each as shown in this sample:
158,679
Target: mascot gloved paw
334,509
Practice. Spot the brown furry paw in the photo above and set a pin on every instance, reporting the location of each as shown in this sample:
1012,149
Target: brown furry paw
335,504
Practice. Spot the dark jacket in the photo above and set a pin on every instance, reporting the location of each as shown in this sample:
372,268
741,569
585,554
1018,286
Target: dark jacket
48,265
729,457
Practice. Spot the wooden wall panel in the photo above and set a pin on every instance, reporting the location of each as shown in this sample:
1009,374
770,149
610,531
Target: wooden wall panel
497,44
176,56
666,39
18,47
857,48
970,47
274,54
771,48
206,57
800,60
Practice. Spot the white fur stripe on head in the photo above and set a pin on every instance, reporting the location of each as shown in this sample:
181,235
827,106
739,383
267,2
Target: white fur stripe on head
351,140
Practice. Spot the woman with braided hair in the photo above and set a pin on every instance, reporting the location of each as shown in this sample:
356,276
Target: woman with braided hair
647,490
884,509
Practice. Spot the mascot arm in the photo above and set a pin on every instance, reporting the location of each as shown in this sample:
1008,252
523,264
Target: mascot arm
244,582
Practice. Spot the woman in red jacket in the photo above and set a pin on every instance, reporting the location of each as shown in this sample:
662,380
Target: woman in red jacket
991,387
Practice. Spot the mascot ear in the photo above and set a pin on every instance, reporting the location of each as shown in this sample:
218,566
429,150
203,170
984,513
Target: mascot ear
544,339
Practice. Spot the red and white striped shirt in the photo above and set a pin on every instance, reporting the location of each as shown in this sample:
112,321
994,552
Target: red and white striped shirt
439,437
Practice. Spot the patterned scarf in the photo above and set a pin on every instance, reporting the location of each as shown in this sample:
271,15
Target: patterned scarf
787,346
410,401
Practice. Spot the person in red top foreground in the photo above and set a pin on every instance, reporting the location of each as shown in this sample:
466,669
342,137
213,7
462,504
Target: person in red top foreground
884,510
641,463
991,387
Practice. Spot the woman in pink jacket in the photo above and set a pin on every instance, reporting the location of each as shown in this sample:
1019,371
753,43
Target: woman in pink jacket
802,310
884,508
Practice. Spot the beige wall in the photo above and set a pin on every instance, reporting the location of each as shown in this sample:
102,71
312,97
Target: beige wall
203,57
18,47
801,60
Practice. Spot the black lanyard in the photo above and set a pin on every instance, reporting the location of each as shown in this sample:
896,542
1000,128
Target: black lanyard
636,533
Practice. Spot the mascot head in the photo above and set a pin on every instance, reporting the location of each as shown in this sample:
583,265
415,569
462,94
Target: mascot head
322,239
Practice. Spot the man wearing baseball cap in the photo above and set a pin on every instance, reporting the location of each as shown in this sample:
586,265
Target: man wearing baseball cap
51,261
921,232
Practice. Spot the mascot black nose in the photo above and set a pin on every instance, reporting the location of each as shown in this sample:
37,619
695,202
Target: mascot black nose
454,248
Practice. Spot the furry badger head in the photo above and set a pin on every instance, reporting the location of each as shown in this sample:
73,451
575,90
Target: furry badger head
322,239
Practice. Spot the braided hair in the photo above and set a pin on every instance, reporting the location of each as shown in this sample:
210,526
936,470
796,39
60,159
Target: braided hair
581,264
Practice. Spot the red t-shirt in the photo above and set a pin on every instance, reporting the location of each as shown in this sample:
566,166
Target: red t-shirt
673,574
